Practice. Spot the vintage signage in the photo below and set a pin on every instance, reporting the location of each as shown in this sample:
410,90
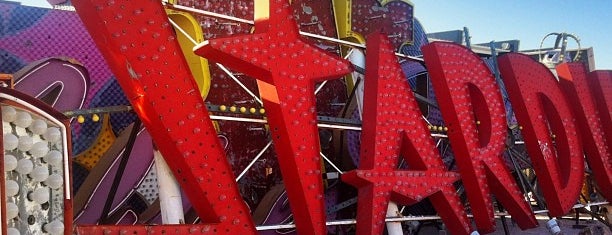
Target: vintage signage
140,47
468,94
593,122
543,111
395,129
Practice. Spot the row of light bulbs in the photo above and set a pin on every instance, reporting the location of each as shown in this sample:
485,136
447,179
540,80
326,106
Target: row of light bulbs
33,169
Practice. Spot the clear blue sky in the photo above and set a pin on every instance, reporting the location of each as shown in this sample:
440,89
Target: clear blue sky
526,20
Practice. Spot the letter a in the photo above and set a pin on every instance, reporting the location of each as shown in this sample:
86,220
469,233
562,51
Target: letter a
393,126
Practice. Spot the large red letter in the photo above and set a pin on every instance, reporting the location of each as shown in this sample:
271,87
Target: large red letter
140,47
573,80
543,112
286,68
467,93
393,126
600,82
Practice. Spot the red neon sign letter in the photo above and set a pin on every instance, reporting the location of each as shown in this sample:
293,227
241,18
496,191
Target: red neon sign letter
539,103
573,80
467,93
286,68
600,83
393,126
140,47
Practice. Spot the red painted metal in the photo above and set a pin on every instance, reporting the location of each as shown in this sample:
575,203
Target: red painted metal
605,85
600,83
473,111
287,68
393,127
548,128
141,48
573,80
